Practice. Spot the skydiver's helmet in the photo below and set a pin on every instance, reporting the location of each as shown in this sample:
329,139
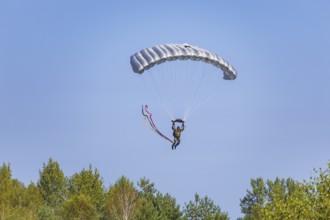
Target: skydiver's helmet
178,128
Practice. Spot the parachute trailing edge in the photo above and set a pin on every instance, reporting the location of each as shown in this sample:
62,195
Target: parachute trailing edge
147,58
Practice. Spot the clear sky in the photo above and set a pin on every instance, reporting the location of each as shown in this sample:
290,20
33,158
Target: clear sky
67,91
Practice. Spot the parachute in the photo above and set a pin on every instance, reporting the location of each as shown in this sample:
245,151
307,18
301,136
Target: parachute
182,76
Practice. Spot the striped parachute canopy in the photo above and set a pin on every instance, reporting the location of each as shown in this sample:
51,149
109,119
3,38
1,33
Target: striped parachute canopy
147,58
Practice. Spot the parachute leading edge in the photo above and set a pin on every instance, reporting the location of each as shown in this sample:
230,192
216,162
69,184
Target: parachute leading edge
147,58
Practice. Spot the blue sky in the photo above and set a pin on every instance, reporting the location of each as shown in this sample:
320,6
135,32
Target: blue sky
67,91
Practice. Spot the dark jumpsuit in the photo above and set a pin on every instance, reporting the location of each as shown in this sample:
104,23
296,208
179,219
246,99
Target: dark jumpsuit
176,135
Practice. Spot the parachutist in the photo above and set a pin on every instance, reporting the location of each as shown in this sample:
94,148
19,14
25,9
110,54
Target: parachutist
195,85
177,133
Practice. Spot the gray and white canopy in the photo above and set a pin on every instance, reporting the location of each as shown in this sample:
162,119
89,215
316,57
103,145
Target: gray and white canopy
147,58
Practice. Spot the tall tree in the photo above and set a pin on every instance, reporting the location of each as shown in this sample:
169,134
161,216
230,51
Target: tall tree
122,200
155,205
5,184
52,184
148,205
5,190
318,193
255,199
14,197
90,184
289,199
203,208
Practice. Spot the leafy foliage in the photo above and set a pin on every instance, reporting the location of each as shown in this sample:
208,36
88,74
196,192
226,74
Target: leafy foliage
289,199
89,184
47,213
83,196
52,184
122,200
155,205
79,207
17,201
203,208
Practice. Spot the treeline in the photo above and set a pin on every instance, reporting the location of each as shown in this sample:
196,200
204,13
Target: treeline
288,199
84,196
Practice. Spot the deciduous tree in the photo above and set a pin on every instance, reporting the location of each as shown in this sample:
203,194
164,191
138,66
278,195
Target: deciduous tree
90,184
52,184
155,205
288,199
122,200
203,208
